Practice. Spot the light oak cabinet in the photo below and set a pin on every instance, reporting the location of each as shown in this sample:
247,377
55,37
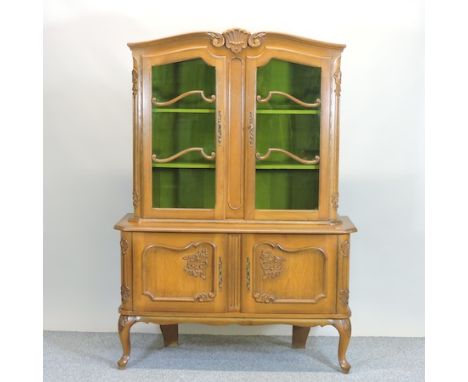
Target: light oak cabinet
235,187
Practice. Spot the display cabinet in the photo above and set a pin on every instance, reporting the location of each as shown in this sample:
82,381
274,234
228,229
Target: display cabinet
235,191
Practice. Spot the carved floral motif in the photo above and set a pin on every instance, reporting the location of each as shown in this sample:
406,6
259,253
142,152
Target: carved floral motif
271,265
236,39
197,263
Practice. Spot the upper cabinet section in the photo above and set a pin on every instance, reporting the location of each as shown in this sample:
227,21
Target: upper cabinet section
236,126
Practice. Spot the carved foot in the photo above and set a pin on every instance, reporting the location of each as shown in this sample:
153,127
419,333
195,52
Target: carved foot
125,323
344,329
170,334
299,337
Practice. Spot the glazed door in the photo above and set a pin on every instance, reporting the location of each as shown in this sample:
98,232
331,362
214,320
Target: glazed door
183,156
179,272
287,98
289,273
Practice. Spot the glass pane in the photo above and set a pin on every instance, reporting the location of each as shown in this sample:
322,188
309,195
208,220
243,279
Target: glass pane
288,136
184,135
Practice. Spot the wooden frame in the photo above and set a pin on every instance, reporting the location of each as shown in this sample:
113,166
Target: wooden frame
234,264
159,54
306,57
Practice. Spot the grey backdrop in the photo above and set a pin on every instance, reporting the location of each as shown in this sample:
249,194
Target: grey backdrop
87,156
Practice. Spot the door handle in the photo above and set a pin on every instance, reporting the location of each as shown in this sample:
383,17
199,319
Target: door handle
247,272
220,272
251,129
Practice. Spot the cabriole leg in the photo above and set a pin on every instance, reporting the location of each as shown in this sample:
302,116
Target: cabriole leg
170,334
344,329
125,323
299,337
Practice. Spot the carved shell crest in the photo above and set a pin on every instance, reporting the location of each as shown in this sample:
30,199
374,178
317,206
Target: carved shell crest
236,39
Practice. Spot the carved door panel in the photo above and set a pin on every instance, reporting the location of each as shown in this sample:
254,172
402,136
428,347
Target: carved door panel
289,274
179,272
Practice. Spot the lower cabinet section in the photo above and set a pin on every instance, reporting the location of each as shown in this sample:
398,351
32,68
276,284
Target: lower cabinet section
289,273
243,273
179,272
235,278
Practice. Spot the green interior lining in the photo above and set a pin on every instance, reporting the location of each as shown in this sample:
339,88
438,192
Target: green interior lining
188,181
282,123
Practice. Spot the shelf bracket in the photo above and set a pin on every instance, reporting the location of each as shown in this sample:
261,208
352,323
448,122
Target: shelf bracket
316,160
183,95
183,152
292,98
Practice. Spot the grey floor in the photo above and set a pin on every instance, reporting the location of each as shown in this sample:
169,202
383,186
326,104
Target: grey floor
73,356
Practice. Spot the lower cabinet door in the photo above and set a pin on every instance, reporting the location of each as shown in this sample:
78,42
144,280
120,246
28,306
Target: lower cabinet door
179,272
289,273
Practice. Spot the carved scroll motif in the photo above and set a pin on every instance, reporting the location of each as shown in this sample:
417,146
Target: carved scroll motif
124,289
316,160
236,39
289,96
124,293
135,77
334,200
135,198
155,158
197,263
204,296
337,77
265,298
123,247
344,296
212,98
122,322
344,248
272,265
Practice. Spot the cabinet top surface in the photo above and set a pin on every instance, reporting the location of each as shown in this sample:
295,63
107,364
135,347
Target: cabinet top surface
235,33
342,226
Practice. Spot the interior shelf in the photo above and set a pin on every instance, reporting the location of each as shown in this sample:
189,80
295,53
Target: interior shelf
287,111
259,111
184,165
173,110
258,166
287,166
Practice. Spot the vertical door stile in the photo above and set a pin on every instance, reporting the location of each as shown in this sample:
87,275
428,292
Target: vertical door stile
221,120
250,120
234,277
235,156
328,200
